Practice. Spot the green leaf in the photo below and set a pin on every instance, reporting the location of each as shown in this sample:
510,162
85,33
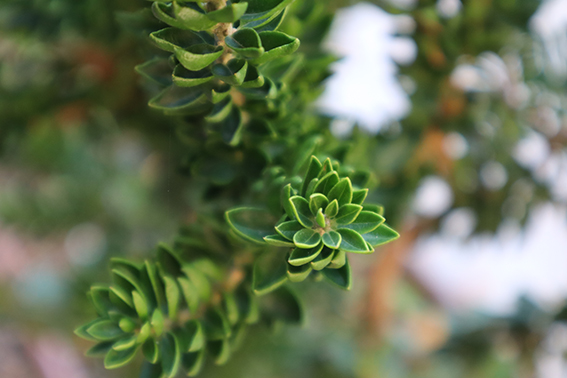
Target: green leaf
312,172
220,111
151,350
170,355
199,281
105,330
127,324
229,14
353,242
268,90
100,349
176,100
342,192
301,256
326,183
298,273
156,283
332,209
140,305
374,208
233,73
347,214
193,362
317,201
125,343
220,351
150,370
332,239
145,331
365,222
173,296
220,92
276,45
326,168
253,78
246,42
251,224
169,39
283,306
307,238
230,308
195,335
339,260
216,325
320,218
286,194
278,241
123,295
157,322
157,70
199,56
190,16
358,196
301,211
269,273
381,235
311,187
247,305
182,77
262,9
118,358
269,23
341,277
230,128
288,229
323,259
82,331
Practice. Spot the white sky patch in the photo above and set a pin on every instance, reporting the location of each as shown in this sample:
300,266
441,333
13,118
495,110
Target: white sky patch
364,89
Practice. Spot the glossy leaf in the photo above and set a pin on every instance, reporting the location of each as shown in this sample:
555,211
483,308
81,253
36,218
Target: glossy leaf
358,196
312,172
289,229
228,14
190,16
353,242
246,42
342,192
326,183
339,259
232,73
298,273
300,256
332,209
276,45
317,201
307,238
269,273
220,351
347,214
199,56
365,222
193,362
278,241
169,39
381,236
332,239
105,330
301,211
323,259
182,77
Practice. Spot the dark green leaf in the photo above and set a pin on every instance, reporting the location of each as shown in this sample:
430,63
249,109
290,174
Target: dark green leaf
233,73
220,351
269,273
190,16
288,229
381,235
358,196
157,70
125,343
100,349
173,296
317,201
276,45
195,336
307,238
118,358
300,256
250,223
312,172
278,241
298,273
230,308
262,9
182,77
253,78
332,239
193,362
342,192
353,242
323,259
341,277
327,182
151,350
339,260
197,57
105,330
301,211
246,42
170,355
175,100
365,222
286,194
216,325
229,14
332,209
347,214
169,39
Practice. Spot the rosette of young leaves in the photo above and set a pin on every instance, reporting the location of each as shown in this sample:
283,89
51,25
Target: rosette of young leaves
217,46
171,311
325,218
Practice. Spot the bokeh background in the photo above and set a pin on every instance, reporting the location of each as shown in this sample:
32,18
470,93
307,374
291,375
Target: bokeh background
459,110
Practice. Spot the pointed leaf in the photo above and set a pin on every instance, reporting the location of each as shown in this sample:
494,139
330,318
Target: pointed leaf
341,277
347,214
278,241
199,56
251,224
118,358
196,336
327,182
233,73
301,210
157,322
298,273
365,222
300,256
246,42
170,355
353,242
220,351
312,172
358,196
332,209
125,343
100,349
289,229
105,330
140,305
151,350
321,219
216,325
176,100
317,201
342,192
286,194
381,235
169,39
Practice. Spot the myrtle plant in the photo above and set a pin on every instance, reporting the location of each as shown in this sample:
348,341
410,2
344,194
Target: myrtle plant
274,198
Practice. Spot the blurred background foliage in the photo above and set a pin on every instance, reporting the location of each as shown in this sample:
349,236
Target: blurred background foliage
88,171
